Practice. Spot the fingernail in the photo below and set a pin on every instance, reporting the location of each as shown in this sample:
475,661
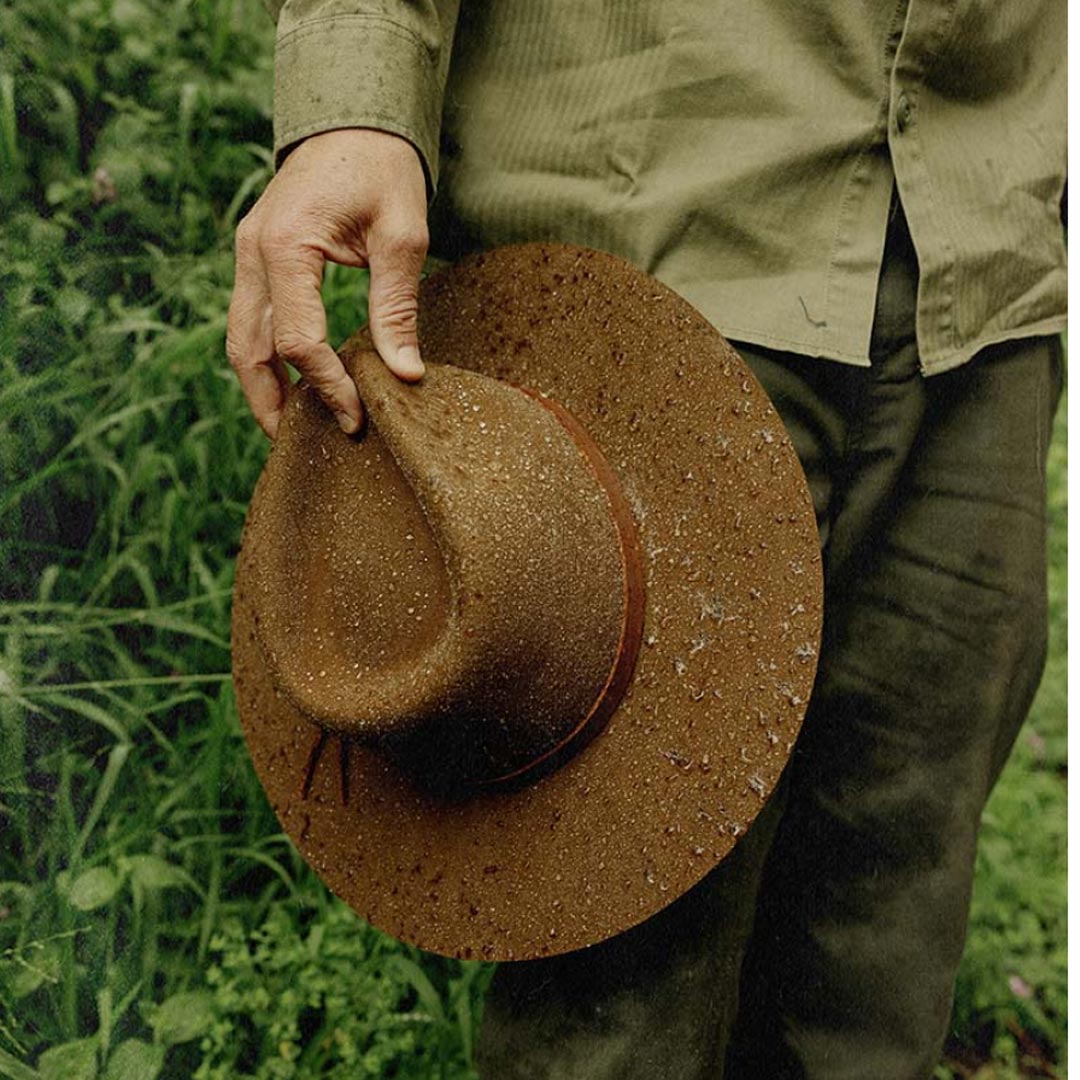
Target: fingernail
409,364
349,424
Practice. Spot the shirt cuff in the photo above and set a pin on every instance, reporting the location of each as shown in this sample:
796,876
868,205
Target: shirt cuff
357,70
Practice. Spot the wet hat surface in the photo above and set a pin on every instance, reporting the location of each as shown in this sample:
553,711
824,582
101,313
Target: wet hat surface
520,665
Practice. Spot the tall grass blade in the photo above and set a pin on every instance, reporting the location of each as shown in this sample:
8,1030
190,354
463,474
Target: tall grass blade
117,756
9,139
16,1070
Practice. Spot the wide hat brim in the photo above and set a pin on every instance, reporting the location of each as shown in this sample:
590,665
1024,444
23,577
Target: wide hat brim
732,626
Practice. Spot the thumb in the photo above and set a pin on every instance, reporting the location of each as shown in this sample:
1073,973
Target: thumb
395,259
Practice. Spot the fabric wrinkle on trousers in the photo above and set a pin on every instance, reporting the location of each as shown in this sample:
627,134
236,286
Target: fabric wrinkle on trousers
826,945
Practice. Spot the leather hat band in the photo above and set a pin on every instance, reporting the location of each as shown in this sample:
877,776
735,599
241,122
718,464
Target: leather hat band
622,668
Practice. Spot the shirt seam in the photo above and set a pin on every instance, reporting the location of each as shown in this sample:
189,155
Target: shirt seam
310,27
965,354
946,304
878,136
794,345
947,271
935,366
855,180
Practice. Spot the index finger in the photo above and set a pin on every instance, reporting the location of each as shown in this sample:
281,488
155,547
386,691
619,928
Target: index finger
299,332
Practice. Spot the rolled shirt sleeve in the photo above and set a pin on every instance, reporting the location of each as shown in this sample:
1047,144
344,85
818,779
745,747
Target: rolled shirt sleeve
362,63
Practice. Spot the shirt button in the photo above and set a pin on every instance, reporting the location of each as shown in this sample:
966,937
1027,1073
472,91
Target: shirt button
904,112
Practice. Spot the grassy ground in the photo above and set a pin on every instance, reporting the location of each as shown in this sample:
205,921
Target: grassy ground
153,921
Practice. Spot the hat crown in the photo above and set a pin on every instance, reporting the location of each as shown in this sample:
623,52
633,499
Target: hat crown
452,585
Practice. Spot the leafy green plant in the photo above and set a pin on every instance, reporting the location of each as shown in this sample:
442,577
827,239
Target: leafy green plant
140,860
325,995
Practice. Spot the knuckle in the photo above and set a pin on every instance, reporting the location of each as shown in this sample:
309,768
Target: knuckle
277,240
397,311
401,236
337,388
293,346
235,350
412,238
233,354
333,387
245,238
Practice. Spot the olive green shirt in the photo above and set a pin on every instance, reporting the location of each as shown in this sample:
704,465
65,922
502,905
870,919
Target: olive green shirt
742,151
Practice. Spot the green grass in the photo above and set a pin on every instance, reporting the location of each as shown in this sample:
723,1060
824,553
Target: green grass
153,919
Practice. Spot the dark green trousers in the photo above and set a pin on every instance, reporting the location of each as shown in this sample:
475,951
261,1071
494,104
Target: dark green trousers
826,945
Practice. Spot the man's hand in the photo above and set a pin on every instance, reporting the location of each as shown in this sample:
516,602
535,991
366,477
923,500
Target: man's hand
356,197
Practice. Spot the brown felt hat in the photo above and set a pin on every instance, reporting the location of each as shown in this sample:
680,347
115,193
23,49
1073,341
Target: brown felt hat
519,663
